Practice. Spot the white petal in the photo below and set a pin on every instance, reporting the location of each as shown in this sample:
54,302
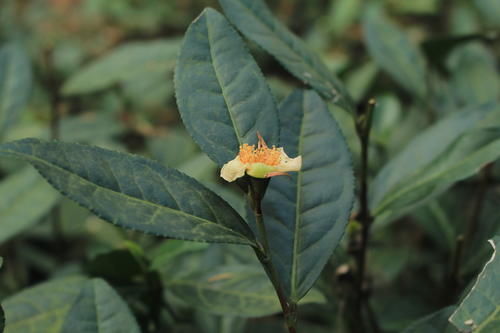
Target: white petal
233,170
289,164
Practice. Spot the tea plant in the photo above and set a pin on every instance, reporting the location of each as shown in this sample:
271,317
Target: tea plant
304,175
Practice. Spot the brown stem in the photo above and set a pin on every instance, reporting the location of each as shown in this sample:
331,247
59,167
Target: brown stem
359,242
364,216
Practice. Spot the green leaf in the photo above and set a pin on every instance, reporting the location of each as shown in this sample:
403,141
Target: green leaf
480,309
99,308
306,214
490,10
238,290
15,84
254,19
221,93
171,249
474,76
41,308
24,199
209,323
2,319
446,152
125,63
436,322
133,192
394,52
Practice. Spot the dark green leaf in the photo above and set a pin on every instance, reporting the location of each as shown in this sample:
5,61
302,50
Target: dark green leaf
98,308
15,84
448,151
133,192
117,266
306,214
254,19
394,52
479,311
221,93
24,199
436,322
243,291
127,62
41,308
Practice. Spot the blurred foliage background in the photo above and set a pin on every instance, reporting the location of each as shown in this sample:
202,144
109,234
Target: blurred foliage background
102,73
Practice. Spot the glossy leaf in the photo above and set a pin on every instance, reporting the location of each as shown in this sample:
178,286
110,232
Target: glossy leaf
254,19
221,93
126,62
41,308
306,214
393,51
99,308
25,198
436,322
446,152
133,192
15,84
479,311
243,291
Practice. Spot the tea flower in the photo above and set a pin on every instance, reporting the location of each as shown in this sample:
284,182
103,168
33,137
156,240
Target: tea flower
260,162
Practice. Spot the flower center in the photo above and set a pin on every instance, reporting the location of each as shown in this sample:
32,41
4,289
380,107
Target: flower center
262,154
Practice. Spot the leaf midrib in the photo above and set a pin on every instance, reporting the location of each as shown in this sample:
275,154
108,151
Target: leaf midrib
306,60
157,206
298,217
222,87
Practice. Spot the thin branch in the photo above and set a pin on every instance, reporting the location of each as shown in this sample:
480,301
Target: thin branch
257,190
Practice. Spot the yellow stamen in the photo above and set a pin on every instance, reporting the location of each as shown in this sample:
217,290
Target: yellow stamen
262,154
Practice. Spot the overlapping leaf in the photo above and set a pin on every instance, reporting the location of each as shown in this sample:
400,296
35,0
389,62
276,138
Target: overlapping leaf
99,308
133,192
306,213
24,199
254,19
436,322
41,308
237,290
449,151
15,84
480,310
221,93
394,52
127,62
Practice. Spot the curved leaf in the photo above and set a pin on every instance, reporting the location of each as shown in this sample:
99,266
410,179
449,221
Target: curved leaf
41,308
394,52
443,154
480,309
99,308
15,84
24,199
133,192
126,62
238,290
306,214
221,93
254,19
436,322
